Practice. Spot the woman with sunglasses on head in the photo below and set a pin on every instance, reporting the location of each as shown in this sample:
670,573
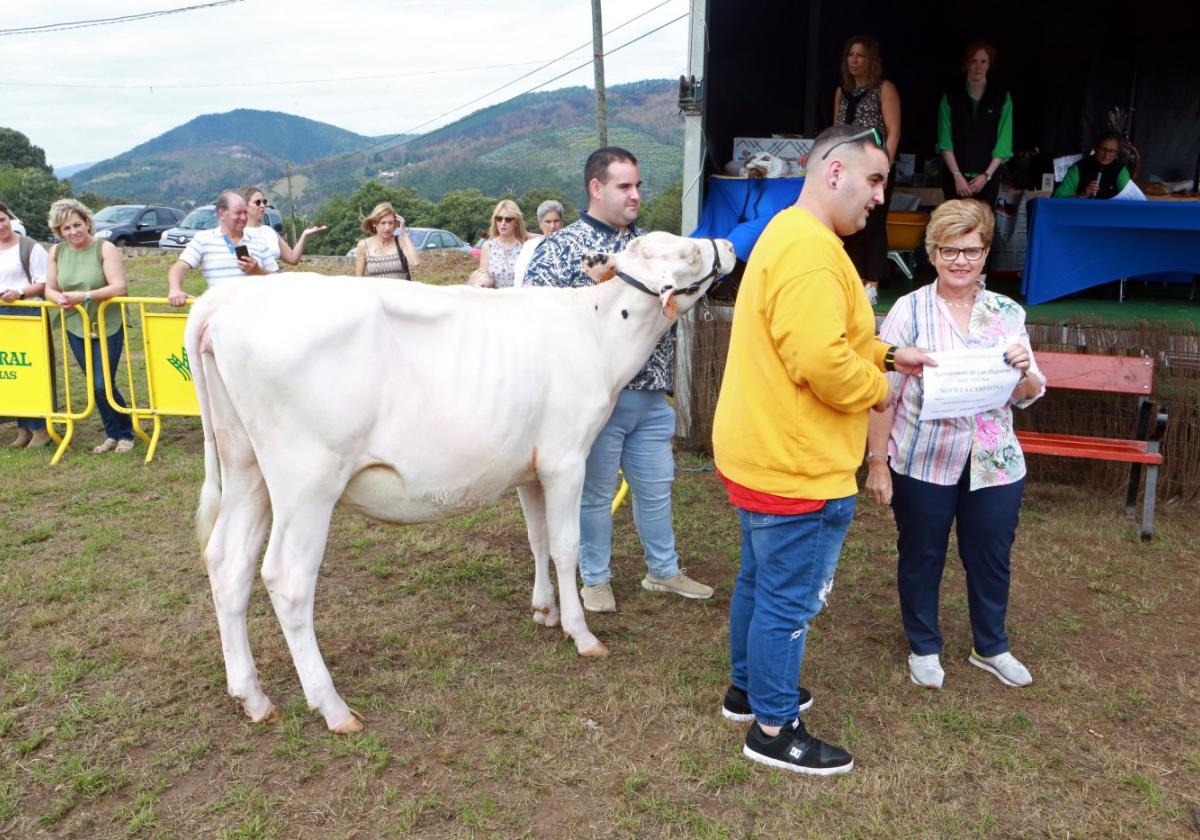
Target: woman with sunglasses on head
277,248
506,235
967,471
975,129
387,251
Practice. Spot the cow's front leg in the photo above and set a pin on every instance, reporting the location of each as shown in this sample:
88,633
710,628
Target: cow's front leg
290,569
563,492
533,503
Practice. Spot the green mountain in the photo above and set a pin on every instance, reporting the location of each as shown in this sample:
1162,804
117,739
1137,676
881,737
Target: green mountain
535,140
191,163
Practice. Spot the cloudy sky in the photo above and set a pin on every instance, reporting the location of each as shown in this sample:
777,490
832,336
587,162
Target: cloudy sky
89,93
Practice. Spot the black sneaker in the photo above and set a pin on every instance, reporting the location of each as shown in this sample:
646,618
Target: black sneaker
736,705
794,749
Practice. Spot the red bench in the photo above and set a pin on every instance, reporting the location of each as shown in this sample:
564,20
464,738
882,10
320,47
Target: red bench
1117,375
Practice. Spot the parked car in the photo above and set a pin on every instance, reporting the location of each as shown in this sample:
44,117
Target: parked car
477,248
205,218
135,224
430,239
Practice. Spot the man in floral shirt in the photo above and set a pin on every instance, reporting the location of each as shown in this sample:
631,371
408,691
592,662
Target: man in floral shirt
638,435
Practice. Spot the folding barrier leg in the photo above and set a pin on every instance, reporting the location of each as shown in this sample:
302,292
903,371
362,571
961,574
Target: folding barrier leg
64,441
153,439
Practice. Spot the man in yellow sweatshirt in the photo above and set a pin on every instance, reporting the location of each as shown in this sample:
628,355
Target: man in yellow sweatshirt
804,367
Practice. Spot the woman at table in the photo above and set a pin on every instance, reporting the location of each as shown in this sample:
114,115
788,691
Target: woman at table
967,471
1100,174
866,99
277,247
83,271
975,129
506,235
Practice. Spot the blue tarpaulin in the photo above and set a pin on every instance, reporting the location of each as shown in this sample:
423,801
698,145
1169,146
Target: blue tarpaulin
738,209
1078,243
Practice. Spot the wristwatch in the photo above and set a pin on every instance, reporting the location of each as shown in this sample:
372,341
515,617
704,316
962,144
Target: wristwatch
87,298
889,359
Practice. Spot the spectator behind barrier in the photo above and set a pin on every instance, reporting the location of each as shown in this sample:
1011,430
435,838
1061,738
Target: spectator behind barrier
1100,174
221,253
276,246
388,251
22,277
964,470
83,271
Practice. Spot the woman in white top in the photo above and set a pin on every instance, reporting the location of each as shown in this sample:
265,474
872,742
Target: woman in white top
550,220
506,235
277,247
22,277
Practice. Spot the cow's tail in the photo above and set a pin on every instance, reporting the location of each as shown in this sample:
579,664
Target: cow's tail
196,342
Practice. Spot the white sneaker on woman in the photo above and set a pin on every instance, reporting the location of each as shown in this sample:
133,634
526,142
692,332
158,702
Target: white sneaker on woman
1006,668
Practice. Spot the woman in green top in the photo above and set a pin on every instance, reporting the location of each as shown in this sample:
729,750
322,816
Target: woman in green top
975,129
83,271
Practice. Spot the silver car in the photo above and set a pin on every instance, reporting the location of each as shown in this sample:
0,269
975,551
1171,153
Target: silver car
430,239
205,218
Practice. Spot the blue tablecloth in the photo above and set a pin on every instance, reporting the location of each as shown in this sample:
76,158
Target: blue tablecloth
1077,243
738,209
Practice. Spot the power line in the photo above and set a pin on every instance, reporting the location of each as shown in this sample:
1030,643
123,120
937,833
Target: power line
85,24
382,143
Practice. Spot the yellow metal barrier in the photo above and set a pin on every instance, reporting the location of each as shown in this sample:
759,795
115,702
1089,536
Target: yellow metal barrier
27,369
619,499
165,371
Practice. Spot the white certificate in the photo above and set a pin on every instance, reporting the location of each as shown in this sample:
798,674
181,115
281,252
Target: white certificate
967,382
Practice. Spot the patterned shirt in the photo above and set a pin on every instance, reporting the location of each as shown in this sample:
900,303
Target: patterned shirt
213,253
937,451
558,262
501,261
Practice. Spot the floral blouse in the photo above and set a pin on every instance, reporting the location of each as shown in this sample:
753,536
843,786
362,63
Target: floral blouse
937,451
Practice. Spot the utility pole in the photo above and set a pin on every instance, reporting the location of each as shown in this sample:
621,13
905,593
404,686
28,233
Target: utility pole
291,204
598,64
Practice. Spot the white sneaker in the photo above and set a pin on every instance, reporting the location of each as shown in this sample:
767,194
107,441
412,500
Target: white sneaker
926,671
1006,667
598,598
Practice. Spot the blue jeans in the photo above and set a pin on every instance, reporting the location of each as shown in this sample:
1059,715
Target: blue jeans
34,424
986,521
117,426
636,438
788,563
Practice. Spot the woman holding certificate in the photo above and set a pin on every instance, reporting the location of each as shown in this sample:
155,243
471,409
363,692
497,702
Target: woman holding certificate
965,470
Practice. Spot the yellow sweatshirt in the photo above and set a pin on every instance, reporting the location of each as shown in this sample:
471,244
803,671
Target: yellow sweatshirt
804,366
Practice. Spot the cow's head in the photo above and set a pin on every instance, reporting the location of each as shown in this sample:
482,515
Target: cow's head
675,269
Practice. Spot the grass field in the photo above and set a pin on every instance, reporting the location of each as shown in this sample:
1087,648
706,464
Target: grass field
114,720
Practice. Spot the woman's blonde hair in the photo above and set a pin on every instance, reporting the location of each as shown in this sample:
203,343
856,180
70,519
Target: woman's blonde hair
508,207
874,62
61,210
959,217
383,208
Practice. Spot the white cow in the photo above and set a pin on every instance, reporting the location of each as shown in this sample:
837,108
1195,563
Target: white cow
409,403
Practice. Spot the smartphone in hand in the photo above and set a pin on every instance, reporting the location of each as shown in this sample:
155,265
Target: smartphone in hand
242,252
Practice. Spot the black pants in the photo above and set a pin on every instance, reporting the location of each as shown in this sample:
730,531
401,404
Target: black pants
986,522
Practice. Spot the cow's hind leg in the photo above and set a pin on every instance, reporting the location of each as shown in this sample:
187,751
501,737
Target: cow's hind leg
533,503
232,550
563,492
298,534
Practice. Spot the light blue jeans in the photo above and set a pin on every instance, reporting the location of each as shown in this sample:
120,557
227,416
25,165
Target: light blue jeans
637,439
788,563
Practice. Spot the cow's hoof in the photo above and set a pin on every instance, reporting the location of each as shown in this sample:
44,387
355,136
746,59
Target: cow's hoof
267,713
545,617
350,725
597,650
273,715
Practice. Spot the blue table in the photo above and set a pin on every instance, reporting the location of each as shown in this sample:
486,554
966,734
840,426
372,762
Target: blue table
1078,243
738,209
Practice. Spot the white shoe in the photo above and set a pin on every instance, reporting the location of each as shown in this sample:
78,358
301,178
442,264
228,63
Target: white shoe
598,598
1006,668
926,671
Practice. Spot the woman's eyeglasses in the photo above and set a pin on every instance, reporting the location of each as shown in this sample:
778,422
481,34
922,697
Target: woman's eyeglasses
500,219
259,202
951,254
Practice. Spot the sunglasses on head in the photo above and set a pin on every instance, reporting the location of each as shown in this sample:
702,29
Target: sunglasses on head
500,219
870,132
259,202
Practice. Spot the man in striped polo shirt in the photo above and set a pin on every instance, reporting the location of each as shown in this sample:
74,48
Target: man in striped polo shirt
214,251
